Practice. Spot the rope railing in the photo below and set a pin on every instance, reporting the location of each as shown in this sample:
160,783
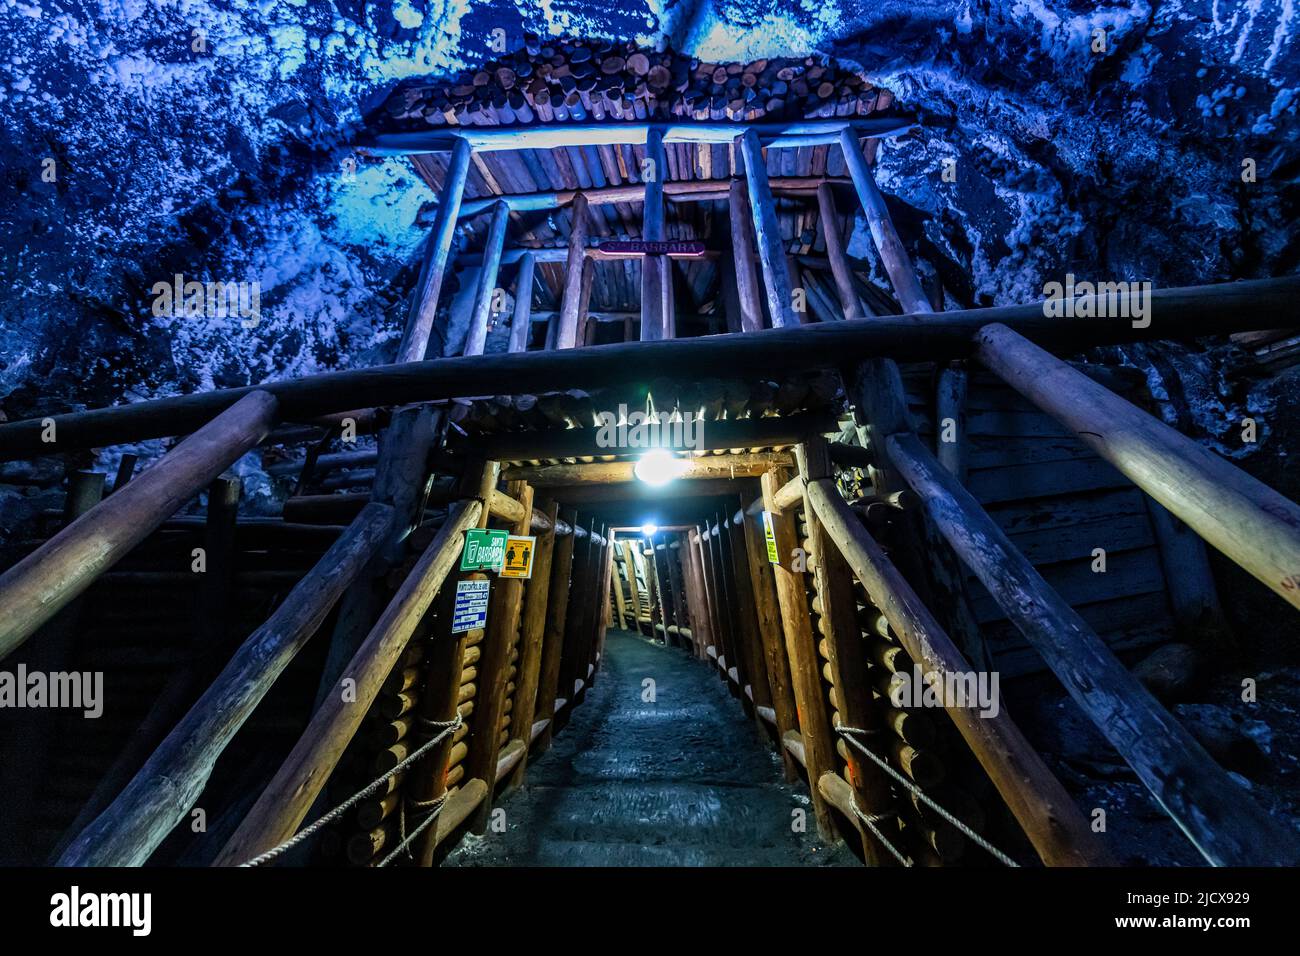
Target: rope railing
848,734
432,807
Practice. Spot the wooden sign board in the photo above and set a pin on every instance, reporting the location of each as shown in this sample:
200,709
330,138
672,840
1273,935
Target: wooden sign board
485,550
676,248
769,535
470,611
519,556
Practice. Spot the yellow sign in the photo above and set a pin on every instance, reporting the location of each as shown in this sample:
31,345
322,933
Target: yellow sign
519,556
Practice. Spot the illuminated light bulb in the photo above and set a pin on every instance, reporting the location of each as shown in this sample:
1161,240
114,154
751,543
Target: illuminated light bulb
657,467
649,530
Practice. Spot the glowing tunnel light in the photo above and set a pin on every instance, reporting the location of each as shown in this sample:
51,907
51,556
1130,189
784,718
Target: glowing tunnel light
657,467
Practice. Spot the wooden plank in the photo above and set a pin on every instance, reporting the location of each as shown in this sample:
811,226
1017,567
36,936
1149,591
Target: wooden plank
36,588
742,246
557,604
1127,573
1242,517
288,797
1019,482
521,322
169,783
1214,811
566,336
655,276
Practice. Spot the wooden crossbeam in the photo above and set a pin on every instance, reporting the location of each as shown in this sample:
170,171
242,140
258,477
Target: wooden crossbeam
623,472
1182,313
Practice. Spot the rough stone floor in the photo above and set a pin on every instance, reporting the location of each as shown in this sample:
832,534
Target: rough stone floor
683,780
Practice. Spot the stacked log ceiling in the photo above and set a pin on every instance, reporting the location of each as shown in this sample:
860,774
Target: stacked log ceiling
801,651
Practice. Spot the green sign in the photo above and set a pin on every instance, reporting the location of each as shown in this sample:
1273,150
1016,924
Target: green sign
769,535
485,550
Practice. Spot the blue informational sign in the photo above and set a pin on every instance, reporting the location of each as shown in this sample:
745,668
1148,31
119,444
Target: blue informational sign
471,608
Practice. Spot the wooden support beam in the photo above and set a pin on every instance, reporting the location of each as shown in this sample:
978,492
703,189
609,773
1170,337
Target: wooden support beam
771,636
36,588
848,663
557,605
486,139
288,797
566,335
743,465
742,247
521,324
771,251
632,580
1217,814
587,442
801,651
485,293
1048,815
531,632
1242,517
424,306
850,304
689,190
490,702
164,790
893,255
1176,314
654,275
951,446
620,602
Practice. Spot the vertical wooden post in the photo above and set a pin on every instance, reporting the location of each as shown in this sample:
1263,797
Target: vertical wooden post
950,415
771,251
747,613
487,280
701,619
566,335
521,323
577,615
424,306
633,586
494,664
620,602
654,275
848,660
748,661
771,635
557,605
742,247
806,681
536,595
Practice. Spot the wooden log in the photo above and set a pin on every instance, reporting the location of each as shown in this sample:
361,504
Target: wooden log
566,336
771,253
1217,815
633,585
847,659
531,632
1192,312
950,407
485,293
1242,517
1059,833
810,702
47,580
521,323
654,274
1193,593
288,797
893,256
742,246
159,796
424,307
850,304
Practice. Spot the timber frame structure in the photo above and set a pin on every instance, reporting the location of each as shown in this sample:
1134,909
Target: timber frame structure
820,426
